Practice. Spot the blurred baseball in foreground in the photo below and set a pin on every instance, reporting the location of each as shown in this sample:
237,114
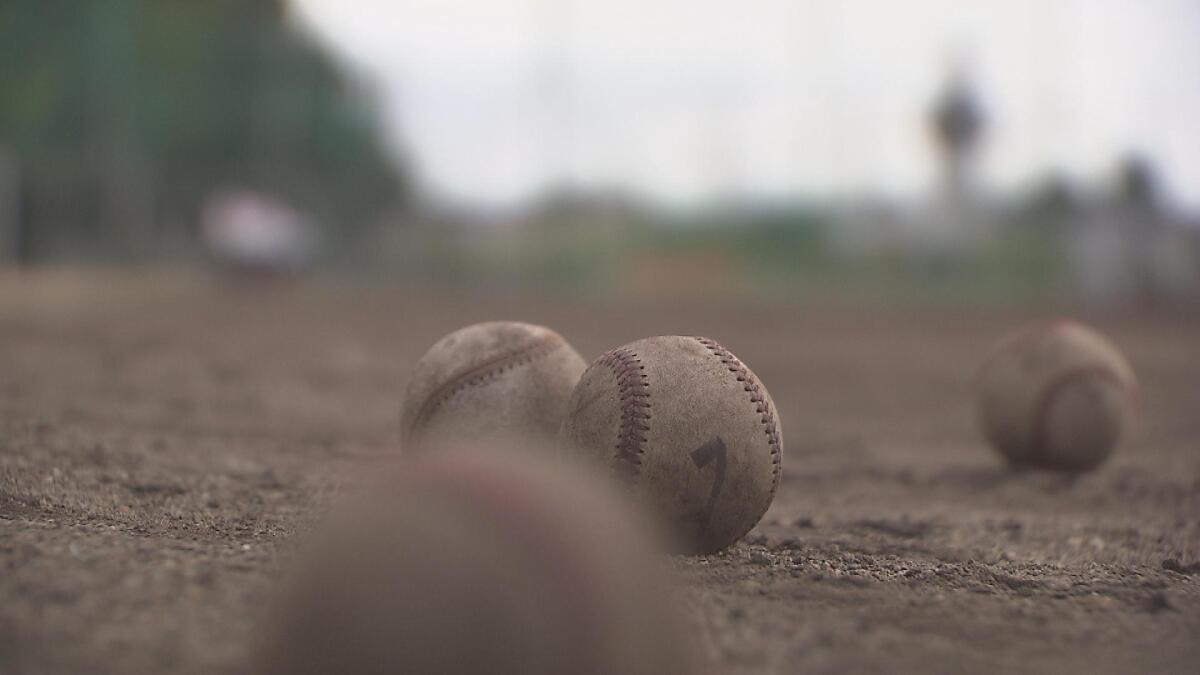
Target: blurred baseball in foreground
1056,396
490,381
688,428
479,564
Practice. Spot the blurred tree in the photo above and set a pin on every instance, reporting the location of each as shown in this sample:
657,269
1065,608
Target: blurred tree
120,116
1137,182
1050,204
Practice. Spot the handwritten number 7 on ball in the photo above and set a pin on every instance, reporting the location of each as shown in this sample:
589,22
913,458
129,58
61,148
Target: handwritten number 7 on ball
702,457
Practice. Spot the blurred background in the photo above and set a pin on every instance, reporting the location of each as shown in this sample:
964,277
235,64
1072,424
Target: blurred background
995,151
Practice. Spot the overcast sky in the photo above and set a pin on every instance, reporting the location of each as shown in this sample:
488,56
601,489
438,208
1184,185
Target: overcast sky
684,100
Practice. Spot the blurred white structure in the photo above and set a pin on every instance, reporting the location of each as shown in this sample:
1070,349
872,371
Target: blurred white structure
251,231
1128,248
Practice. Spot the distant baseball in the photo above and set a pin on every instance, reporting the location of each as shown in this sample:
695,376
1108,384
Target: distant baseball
479,564
488,382
688,428
1057,396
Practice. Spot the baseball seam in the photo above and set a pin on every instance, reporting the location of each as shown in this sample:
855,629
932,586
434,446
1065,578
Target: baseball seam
1045,399
484,372
1021,336
633,389
752,386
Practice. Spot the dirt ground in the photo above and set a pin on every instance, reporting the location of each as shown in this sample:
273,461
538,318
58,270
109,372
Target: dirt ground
160,439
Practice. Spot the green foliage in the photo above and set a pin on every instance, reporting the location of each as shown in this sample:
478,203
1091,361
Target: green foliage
771,246
110,101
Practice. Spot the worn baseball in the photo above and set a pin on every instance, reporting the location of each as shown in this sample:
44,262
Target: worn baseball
488,382
688,428
486,563
1057,396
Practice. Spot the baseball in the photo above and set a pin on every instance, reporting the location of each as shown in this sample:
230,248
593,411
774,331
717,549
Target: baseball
1057,396
480,564
490,381
687,427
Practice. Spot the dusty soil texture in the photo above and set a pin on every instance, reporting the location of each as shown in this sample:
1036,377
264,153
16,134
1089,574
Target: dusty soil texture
162,438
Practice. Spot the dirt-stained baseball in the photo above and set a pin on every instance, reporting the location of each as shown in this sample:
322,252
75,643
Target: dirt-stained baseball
487,563
689,428
488,382
1056,396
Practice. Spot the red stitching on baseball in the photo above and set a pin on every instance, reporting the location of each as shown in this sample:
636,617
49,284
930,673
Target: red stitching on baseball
634,391
483,372
753,387
1041,406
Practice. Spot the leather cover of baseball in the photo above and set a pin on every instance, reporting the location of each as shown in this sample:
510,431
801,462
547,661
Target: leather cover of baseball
688,428
479,562
496,381
1057,396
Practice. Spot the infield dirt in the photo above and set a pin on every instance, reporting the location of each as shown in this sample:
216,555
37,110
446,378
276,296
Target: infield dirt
161,439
